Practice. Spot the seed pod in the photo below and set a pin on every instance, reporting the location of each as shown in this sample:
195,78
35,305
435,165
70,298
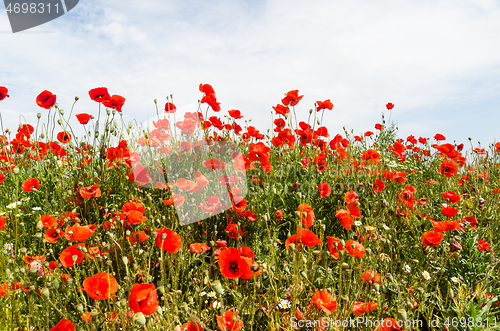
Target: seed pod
139,318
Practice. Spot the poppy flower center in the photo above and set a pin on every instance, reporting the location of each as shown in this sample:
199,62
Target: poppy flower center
234,267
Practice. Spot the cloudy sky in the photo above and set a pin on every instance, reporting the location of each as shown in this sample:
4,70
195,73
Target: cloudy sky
437,61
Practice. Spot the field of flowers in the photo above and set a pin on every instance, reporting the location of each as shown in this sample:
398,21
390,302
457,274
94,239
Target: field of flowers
205,223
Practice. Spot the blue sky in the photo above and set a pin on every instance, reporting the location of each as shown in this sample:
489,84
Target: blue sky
437,61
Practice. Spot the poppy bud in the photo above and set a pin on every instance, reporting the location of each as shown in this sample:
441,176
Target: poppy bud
185,307
59,122
42,135
77,98
38,115
45,292
292,246
125,260
61,111
16,170
8,273
303,274
345,266
255,267
140,318
74,258
94,313
217,286
402,312
55,284
38,235
79,307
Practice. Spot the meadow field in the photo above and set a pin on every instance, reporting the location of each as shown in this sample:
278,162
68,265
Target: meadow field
206,223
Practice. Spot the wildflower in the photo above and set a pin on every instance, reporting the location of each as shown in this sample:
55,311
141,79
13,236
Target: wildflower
361,307
455,279
64,325
46,99
284,304
36,208
369,228
216,304
334,246
101,286
114,102
168,240
308,219
324,301
389,106
99,94
386,227
29,184
378,186
407,268
291,98
143,298
355,248
211,294
358,223
426,275
3,93
191,326
232,265
229,321
432,238
83,118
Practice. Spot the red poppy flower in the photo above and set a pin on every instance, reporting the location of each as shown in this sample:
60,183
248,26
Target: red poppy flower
172,241
308,219
101,286
114,102
324,301
48,221
234,231
199,248
64,325
390,106
344,218
3,93
46,99
3,220
66,256
191,326
170,108
232,265
334,246
214,164
432,238
51,235
324,190
449,211
439,136
324,105
451,196
359,308
29,184
483,245
83,118
138,236
99,94
80,233
175,199
279,214
445,225
371,276
229,322
378,126
143,299
291,98
64,137
307,237
235,113
135,217
448,168
378,186
355,248
389,324
281,110
246,251
90,191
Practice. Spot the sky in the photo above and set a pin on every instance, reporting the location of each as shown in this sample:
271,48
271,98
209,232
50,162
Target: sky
437,61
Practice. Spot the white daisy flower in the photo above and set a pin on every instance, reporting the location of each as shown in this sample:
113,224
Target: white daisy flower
455,279
211,294
203,293
8,247
284,304
216,304
386,227
358,223
36,208
25,199
407,268
426,275
369,228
